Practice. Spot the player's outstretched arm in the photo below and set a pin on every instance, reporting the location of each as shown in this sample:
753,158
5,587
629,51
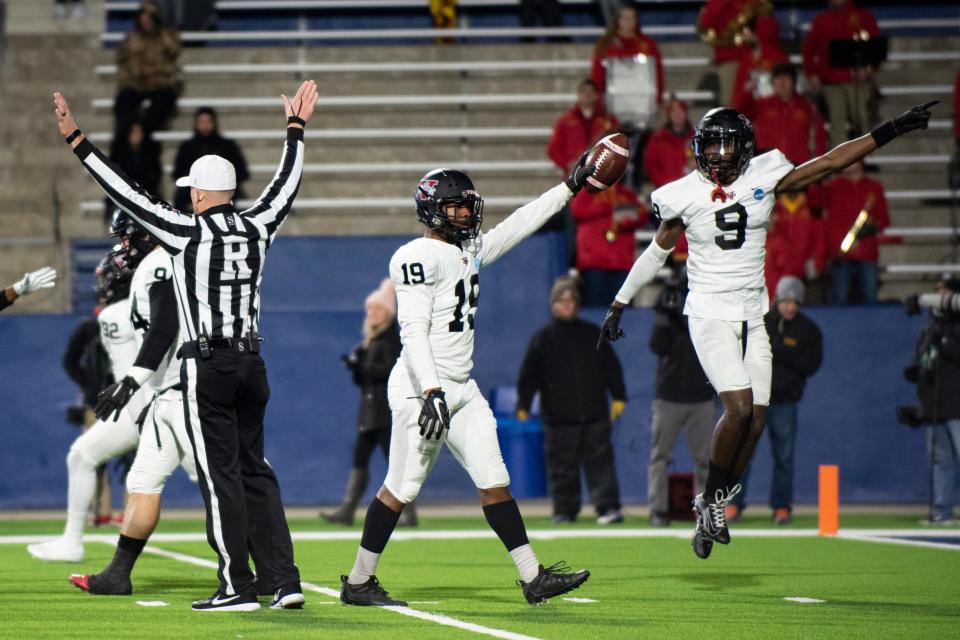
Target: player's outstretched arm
844,155
523,222
273,205
168,226
643,271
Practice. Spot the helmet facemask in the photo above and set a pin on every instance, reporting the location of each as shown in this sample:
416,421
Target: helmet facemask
449,221
440,197
135,243
720,156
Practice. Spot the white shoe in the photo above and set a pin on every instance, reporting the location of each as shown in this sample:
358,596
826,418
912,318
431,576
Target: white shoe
614,516
59,550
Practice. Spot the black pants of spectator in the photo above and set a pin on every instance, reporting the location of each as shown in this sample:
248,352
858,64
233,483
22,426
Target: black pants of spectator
547,10
366,442
570,447
225,397
162,104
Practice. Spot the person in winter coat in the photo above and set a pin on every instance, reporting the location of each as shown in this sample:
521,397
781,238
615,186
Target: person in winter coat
371,362
206,141
575,379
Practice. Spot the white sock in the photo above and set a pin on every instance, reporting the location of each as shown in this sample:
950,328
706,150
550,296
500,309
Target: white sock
526,561
80,489
364,567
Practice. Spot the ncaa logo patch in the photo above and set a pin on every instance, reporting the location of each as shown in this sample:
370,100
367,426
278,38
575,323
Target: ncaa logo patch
758,194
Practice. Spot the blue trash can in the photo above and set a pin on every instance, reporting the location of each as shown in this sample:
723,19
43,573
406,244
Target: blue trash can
522,446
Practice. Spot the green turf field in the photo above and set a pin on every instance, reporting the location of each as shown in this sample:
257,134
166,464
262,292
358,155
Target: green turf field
641,587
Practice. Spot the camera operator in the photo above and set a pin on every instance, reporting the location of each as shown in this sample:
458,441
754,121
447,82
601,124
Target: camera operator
936,372
683,400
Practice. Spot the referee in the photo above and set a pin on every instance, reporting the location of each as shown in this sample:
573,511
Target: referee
218,258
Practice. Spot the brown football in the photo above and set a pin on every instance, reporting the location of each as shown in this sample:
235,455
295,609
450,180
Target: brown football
610,157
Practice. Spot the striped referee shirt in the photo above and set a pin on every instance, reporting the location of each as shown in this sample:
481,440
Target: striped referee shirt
218,256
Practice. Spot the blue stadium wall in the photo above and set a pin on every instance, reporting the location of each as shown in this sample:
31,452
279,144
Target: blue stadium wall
313,292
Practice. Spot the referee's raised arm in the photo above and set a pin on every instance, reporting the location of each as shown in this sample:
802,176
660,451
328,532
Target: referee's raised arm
169,227
273,205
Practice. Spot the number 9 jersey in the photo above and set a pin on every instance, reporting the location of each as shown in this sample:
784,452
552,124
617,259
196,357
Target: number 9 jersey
727,238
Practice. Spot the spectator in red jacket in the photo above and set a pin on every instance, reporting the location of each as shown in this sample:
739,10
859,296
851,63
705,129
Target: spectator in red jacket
721,25
787,121
849,93
668,155
623,39
754,71
843,199
605,245
577,129
795,242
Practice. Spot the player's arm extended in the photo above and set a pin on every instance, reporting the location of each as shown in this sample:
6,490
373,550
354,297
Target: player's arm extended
414,311
164,326
172,229
650,261
522,223
844,155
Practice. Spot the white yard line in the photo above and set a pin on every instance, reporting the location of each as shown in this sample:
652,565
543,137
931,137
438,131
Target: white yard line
902,541
333,593
533,534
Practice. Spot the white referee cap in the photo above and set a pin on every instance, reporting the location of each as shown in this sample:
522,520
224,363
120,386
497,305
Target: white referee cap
210,173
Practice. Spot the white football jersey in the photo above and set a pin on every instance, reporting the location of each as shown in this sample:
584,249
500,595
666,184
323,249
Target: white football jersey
438,290
728,239
117,337
155,267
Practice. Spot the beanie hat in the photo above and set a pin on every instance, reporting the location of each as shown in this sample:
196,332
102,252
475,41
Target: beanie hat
563,285
790,288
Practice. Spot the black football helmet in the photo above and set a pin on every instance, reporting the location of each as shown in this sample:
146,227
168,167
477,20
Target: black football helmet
135,243
113,277
732,131
443,187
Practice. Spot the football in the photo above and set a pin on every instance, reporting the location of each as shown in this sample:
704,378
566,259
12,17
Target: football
610,157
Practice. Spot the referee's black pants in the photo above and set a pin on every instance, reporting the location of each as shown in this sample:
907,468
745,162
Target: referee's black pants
225,397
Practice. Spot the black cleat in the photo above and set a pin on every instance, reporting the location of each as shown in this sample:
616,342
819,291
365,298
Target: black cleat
289,596
702,546
368,594
100,585
220,601
711,516
552,581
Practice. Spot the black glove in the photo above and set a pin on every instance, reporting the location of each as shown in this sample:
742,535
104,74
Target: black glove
114,398
352,360
579,173
916,118
610,328
867,230
912,305
434,416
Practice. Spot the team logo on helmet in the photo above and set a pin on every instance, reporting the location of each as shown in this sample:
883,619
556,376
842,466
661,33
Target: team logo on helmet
427,189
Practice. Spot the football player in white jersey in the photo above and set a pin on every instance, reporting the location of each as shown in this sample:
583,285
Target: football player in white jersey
105,439
163,439
432,397
724,209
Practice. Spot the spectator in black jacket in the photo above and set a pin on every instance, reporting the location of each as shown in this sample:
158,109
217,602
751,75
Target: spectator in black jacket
574,378
683,400
936,372
138,154
207,141
371,362
797,353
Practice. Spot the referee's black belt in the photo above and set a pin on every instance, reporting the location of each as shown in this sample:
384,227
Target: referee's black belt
246,344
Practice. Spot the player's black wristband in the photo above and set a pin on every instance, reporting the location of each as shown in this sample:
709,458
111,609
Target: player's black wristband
884,133
73,136
296,120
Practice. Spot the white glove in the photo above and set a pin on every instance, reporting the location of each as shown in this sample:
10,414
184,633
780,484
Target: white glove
35,280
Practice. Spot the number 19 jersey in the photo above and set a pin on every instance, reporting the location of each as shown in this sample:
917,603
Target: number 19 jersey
438,287
727,239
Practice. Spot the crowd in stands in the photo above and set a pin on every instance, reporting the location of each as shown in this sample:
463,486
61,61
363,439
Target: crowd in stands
754,76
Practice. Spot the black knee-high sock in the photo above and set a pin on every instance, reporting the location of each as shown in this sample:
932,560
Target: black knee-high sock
378,526
125,556
505,520
716,480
